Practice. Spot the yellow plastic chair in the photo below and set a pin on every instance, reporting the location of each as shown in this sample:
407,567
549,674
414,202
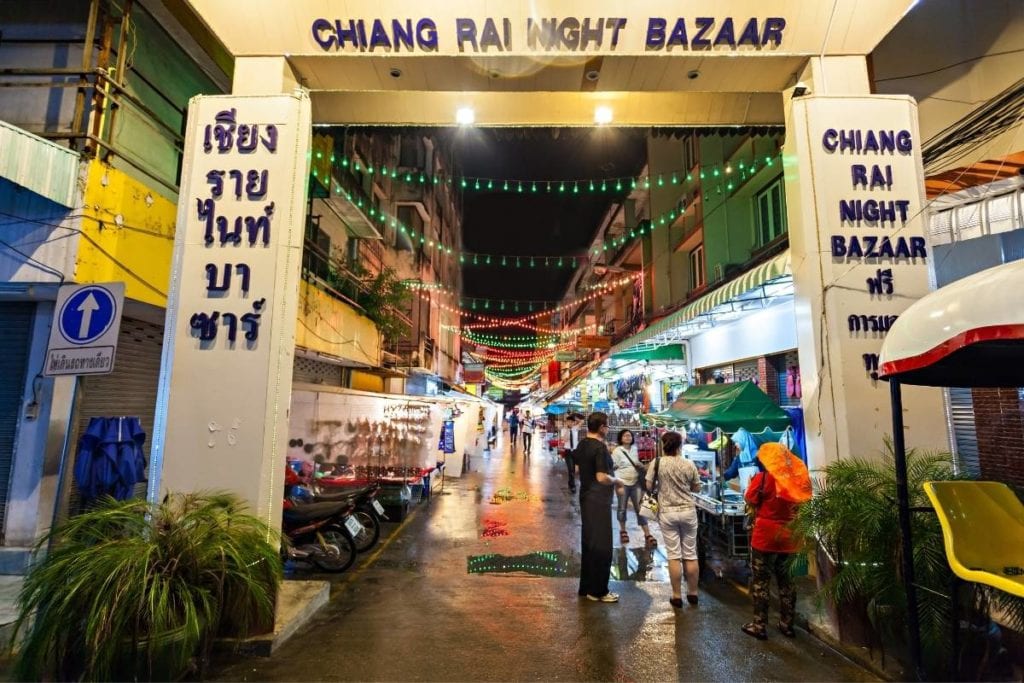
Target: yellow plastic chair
983,528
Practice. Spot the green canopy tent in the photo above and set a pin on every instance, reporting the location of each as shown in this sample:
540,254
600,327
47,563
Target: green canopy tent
664,353
724,406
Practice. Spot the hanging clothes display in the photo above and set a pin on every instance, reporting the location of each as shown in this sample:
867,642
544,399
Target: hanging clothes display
796,417
110,460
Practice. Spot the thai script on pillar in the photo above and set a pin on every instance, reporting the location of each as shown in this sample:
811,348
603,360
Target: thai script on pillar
234,214
879,211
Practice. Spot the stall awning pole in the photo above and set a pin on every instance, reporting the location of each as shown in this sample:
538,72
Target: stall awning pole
906,540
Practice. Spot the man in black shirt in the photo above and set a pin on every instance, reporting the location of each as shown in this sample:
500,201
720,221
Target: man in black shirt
597,484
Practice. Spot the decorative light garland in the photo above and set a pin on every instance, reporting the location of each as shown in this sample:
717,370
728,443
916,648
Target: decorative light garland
509,304
723,172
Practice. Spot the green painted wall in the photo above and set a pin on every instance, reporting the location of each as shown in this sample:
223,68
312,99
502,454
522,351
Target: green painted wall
728,208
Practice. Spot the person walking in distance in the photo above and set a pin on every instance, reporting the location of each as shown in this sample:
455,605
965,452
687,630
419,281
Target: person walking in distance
527,433
675,479
596,485
513,428
629,470
570,441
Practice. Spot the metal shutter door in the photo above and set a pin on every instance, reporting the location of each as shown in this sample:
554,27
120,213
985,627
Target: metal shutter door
312,371
130,390
15,330
965,434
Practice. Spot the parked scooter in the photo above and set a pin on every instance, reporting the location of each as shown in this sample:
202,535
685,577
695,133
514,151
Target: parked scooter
303,487
321,533
369,511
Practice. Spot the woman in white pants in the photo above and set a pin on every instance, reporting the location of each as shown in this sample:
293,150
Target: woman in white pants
675,478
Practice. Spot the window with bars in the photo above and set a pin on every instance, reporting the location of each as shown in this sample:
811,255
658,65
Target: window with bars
771,212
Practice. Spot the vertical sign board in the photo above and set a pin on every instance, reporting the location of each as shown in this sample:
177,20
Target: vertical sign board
225,379
855,189
86,323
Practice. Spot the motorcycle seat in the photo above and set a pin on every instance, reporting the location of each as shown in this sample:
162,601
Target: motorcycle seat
307,512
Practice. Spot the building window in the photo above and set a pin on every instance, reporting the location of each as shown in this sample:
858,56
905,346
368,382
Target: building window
771,213
697,268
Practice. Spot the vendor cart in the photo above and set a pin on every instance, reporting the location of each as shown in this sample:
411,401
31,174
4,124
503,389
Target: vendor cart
720,408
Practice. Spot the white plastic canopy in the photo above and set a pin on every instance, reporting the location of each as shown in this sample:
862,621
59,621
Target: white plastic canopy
967,334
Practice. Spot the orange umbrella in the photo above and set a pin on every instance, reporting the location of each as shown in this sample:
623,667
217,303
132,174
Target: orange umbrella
792,480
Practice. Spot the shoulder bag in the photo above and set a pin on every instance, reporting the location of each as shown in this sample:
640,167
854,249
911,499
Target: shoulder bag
641,472
649,502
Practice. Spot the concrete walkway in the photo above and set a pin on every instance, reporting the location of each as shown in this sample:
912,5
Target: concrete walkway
413,611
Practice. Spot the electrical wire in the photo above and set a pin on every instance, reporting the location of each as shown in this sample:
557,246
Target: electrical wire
139,278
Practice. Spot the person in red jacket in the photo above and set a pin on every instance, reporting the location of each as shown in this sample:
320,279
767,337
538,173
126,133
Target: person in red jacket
772,546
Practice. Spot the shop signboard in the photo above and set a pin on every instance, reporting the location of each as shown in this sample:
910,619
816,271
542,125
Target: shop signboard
565,356
473,373
597,342
86,323
229,344
459,28
860,258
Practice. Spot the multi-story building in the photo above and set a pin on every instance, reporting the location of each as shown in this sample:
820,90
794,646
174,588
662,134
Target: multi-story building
90,164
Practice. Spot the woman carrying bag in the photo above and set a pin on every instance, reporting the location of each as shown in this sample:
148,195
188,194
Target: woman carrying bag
631,472
674,480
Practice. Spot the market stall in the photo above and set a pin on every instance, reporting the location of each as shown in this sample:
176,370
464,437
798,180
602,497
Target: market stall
713,416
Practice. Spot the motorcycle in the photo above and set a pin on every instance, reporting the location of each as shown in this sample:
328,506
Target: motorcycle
321,533
368,510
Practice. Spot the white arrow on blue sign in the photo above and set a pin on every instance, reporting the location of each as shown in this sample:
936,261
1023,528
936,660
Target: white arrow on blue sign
87,314
83,338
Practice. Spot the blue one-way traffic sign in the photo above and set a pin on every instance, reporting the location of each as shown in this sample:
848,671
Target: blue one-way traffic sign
83,338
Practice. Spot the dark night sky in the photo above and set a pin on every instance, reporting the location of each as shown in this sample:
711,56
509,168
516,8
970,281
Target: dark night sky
542,223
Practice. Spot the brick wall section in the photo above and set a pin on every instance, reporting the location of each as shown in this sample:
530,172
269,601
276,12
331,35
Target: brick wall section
999,418
769,378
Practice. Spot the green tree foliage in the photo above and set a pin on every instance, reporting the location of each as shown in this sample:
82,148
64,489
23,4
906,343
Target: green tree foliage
382,299
131,590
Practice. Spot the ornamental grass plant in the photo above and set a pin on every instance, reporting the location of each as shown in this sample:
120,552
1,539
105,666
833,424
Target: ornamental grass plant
136,591
853,519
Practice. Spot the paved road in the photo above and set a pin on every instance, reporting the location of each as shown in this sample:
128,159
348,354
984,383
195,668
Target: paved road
414,612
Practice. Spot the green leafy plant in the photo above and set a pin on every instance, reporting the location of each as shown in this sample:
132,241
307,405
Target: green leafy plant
853,516
383,298
132,590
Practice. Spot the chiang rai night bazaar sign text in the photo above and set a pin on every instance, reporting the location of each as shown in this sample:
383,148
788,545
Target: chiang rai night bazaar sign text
497,35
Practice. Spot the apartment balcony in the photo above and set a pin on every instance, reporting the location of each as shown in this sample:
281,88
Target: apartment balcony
414,354
334,328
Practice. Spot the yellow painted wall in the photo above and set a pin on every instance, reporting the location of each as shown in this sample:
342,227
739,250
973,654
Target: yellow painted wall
127,234
334,328
364,381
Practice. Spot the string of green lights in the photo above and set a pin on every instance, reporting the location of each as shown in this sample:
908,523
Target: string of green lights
724,173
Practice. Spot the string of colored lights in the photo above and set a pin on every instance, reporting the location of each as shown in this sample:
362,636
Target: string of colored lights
724,172
576,186
505,304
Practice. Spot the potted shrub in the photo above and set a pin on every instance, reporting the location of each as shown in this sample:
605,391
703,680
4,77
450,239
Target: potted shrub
853,521
133,590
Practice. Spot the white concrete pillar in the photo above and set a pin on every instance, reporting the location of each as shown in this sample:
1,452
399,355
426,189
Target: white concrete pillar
854,270
222,409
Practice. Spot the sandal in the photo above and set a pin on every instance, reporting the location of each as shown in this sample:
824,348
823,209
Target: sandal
755,631
676,602
787,631
624,538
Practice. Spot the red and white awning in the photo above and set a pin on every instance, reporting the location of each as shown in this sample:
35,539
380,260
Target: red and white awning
967,334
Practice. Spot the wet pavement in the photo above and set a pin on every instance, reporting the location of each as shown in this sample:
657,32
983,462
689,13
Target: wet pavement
480,584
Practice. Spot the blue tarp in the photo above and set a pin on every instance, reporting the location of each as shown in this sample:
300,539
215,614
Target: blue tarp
110,459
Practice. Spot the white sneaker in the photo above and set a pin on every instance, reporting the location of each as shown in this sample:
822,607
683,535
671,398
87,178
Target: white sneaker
607,597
